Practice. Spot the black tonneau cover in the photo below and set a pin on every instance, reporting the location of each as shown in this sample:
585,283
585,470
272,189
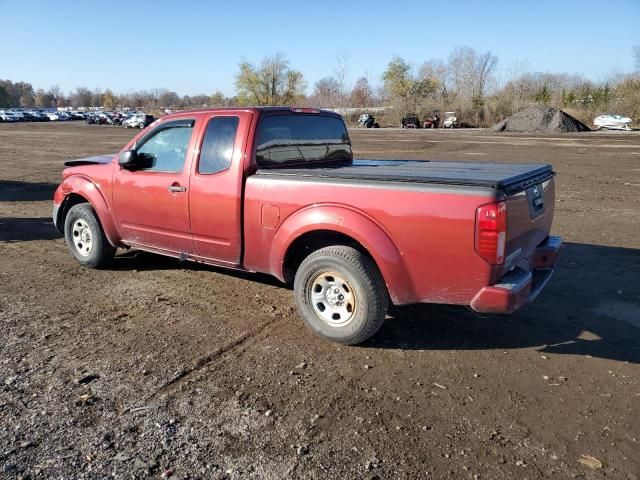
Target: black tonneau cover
510,177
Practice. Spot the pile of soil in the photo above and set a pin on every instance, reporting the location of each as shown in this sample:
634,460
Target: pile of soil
541,119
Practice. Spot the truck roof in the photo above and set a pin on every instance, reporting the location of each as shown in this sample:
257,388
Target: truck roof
255,110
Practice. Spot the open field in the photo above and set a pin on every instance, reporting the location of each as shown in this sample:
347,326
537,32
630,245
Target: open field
156,367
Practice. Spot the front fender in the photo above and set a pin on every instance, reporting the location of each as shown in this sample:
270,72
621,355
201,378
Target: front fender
85,187
355,224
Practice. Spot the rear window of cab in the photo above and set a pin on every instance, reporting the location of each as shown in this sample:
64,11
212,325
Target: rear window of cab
294,139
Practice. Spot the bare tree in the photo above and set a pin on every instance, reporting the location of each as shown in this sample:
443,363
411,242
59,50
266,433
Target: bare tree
44,99
202,100
485,65
342,69
217,99
326,92
81,97
108,100
636,56
96,98
438,70
168,99
362,94
462,62
471,73
27,100
58,96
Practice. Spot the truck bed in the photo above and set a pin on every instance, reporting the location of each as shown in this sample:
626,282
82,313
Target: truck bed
509,177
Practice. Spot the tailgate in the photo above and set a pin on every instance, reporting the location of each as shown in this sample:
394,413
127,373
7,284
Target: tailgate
529,218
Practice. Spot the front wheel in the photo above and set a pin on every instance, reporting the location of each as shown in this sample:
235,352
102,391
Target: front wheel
141,125
85,238
341,294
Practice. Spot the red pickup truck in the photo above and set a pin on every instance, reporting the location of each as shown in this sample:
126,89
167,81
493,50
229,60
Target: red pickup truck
277,190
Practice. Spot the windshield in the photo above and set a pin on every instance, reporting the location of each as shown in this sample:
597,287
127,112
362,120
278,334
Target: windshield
301,139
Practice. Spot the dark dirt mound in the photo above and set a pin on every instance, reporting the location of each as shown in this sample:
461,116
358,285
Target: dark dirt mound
541,119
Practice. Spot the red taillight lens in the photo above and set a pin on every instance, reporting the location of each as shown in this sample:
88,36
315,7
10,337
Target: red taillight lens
491,232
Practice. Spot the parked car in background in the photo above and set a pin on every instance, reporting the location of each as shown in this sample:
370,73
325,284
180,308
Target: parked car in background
8,117
118,117
138,121
28,117
18,114
90,118
37,116
276,190
410,120
432,120
450,120
612,122
102,119
367,120
53,116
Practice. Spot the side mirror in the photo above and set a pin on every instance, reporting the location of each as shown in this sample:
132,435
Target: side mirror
128,159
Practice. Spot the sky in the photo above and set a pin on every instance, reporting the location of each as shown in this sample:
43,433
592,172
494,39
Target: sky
194,47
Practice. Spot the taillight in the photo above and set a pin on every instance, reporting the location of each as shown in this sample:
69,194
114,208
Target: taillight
491,232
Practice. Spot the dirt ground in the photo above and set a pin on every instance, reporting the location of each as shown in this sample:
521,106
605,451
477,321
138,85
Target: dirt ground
156,368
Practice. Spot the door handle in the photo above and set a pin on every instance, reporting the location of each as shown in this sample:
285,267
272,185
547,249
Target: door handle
177,188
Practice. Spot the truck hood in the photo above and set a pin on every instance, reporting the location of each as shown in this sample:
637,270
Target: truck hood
97,160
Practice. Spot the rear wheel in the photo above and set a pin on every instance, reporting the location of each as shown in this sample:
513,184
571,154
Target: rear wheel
85,238
341,295
141,125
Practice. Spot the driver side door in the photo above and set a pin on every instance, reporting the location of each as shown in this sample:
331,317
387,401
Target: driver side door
151,202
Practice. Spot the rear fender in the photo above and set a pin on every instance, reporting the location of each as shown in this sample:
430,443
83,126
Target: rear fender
89,190
355,224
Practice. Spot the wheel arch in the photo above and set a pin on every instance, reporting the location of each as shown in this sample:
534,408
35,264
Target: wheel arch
79,189
323,225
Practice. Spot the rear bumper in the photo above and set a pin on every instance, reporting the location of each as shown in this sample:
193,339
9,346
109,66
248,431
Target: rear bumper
519,287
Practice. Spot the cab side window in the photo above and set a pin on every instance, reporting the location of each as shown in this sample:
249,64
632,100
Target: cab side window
217,146
165,151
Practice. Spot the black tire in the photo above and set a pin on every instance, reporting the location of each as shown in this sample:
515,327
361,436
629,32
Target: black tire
141,125
99,251
359,275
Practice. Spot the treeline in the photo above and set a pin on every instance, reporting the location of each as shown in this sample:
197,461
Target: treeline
466,82
22,94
